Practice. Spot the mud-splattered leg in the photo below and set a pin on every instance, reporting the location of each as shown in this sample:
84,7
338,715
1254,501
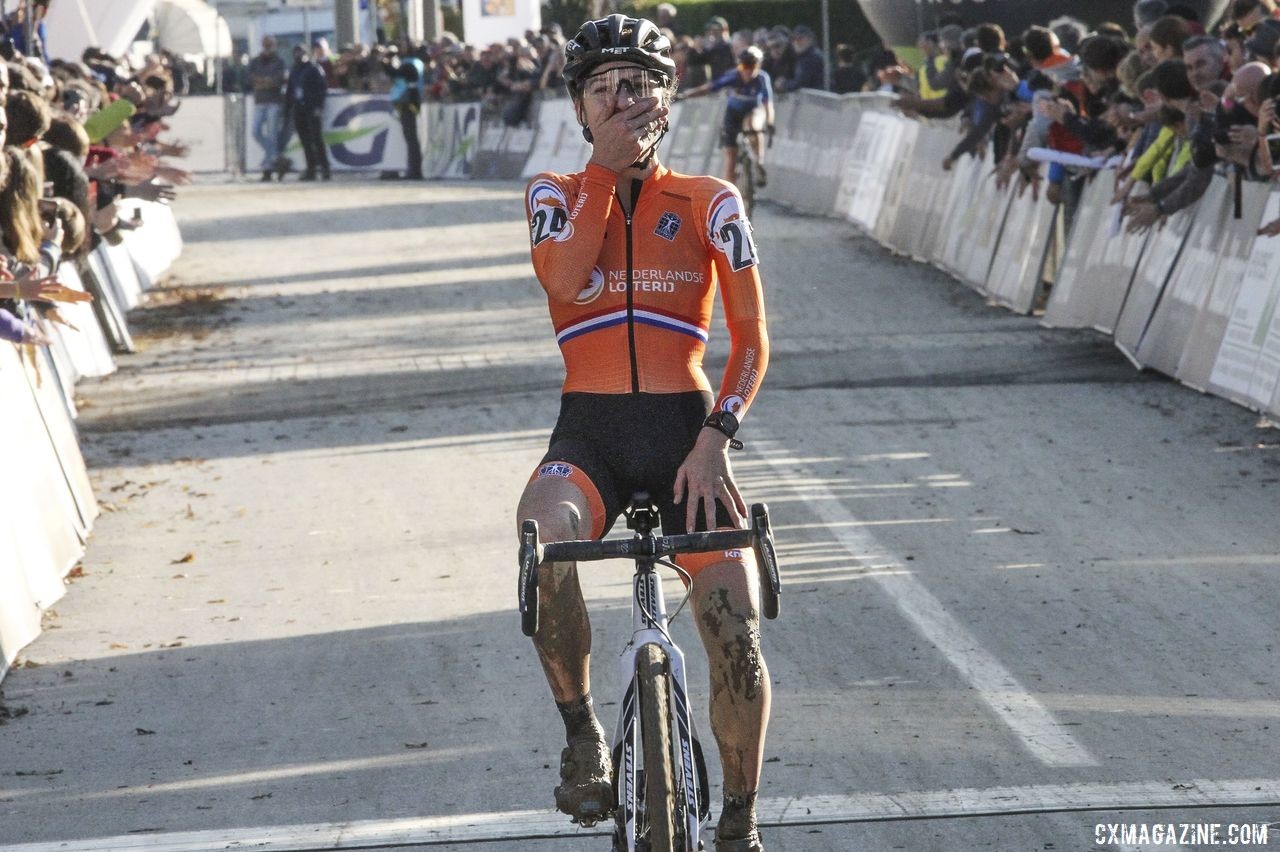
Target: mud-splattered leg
726,605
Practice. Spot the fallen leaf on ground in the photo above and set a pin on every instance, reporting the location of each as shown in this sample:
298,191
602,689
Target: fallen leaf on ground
183,560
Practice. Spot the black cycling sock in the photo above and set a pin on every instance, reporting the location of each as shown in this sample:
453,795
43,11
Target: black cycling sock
738,818
579,719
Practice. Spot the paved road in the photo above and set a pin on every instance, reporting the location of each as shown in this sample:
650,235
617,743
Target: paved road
1028,589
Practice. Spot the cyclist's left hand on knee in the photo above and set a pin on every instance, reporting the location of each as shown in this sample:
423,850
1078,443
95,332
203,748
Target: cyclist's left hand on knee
706,476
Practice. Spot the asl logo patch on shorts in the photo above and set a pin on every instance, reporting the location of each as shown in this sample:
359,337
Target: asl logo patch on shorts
555,469
668,226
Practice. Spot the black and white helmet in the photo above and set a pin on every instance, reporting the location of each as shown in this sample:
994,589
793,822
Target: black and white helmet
616,38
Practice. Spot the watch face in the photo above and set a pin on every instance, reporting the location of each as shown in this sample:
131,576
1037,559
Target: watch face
730,420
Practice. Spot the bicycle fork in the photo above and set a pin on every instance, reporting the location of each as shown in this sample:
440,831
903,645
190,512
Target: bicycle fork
649,626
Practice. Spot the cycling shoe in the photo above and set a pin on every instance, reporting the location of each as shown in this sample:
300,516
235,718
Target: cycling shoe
585,792
750,843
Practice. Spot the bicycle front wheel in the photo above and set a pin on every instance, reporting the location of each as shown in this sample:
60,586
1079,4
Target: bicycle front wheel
652,675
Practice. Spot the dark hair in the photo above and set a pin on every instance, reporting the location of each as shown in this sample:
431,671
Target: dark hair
981,82
1102,53
68,135
1171,81
1171,31
1182,10
990,38
1038,43
28,117
1112,30
1242,8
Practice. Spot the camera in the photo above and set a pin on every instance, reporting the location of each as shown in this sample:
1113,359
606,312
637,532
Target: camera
48,210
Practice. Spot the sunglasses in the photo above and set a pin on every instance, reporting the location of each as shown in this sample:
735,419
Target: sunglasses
637,82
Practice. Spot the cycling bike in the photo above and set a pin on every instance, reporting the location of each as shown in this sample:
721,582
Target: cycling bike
747,170
660,787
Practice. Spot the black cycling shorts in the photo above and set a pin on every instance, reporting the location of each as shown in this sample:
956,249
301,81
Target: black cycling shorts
732,126
625,443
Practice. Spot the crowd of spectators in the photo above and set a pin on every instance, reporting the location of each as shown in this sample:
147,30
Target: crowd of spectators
1168,101
77,139
507,74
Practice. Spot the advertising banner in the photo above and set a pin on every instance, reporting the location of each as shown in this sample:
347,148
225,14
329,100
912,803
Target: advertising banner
87,346
807,157
453,134
898,167
1014,280
1235,243
1161,346
1240,372
1070,299
362,133
965,173
984,226
925,189
1149,278
867,165
201,123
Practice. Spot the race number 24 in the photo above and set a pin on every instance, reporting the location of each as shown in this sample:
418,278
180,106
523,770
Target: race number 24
736,237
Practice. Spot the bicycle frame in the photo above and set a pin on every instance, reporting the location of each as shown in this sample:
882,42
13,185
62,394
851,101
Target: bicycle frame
649,627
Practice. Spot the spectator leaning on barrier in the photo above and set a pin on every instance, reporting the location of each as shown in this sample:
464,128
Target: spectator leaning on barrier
848,76
811,65
990,87
714,49
1206,60
1247,14
267,75
1167,37
1263,44
305,106
1062,75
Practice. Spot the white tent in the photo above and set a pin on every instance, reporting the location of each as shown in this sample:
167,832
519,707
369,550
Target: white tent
186,27
191,28
112,25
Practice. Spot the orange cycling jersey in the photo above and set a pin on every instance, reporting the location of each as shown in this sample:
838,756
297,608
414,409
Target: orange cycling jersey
631,298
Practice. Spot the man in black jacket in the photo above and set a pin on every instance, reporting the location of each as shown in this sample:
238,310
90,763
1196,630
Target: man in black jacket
305,103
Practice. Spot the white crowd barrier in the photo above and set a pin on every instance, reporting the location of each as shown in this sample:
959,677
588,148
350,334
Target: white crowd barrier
50,509
1195,298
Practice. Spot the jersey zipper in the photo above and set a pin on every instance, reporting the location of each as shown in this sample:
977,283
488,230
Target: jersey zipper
631,314
631,305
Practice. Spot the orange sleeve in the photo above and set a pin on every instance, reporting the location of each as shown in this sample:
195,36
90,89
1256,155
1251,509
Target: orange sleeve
567,219
738,273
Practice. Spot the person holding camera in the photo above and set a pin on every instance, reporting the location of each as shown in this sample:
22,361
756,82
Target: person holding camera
407,76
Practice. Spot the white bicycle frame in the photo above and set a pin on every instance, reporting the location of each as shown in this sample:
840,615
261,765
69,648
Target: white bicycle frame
649,627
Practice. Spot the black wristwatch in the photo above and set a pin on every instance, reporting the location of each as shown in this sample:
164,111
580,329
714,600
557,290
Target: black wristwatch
726,423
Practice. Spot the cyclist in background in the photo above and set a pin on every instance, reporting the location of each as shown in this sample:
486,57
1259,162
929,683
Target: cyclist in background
750,108
630,256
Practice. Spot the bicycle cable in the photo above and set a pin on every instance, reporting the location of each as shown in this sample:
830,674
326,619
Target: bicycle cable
688,586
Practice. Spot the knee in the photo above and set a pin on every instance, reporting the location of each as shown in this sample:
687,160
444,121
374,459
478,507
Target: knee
557,520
